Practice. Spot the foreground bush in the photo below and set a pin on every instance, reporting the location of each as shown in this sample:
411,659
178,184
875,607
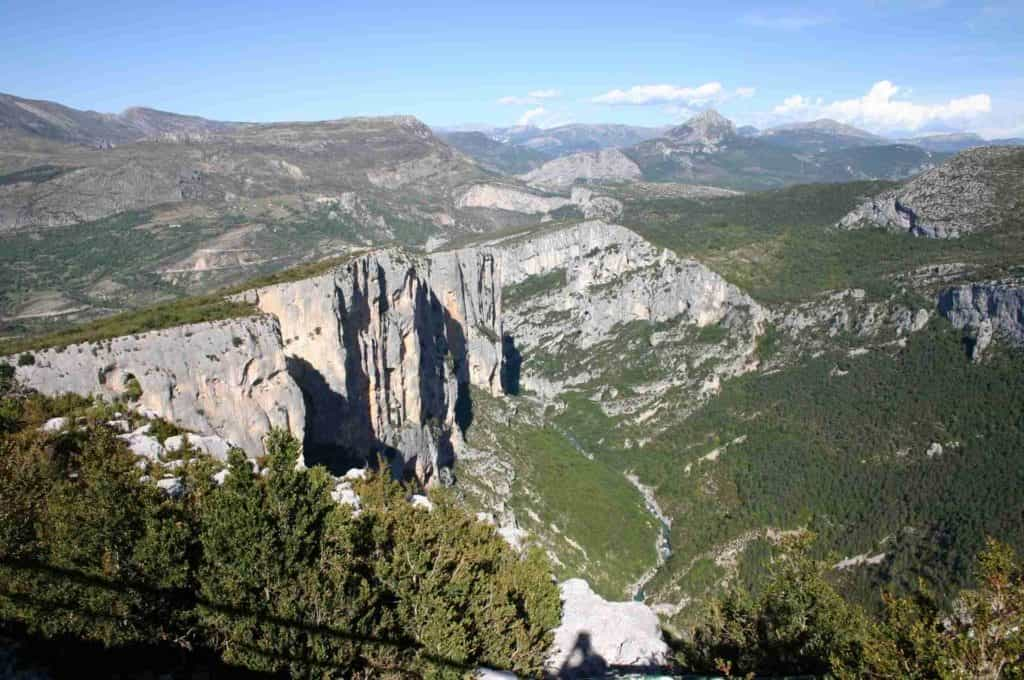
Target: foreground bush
392,587
799,625
266,569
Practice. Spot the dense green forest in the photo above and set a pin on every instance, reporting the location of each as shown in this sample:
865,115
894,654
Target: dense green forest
265,570
799,625
841,446
781,246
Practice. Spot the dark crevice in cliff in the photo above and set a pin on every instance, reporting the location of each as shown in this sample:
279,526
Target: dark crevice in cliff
511,365
324,406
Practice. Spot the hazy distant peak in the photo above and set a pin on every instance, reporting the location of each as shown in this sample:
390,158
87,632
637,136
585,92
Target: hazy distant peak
825,125
710,119
951,137
708,128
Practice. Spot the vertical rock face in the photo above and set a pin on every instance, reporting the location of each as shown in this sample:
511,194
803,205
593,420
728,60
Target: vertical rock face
385,347
224,377
984,309
372,358
468,284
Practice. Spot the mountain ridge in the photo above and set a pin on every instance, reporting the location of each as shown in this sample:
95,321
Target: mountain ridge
826,125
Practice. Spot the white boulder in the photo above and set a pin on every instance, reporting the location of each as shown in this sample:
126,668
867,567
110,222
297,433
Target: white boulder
172,486
212,445
491,674
356,473
143,445
344,494
119,425
514,535
420,501
55,425
596,635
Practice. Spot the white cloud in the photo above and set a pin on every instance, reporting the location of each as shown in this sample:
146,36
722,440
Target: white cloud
881,109
532,97
544,118
745,92
531,115
545,94
662,94
785,22
796,105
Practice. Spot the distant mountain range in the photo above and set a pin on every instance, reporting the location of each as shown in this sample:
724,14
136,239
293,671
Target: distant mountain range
816,135
565,139
710,149
60,123
502,157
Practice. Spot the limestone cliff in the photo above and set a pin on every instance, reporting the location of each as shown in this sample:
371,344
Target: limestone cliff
633,279
976,190
607,165
588,299
984,310
511,198
224,377
385,347
373,357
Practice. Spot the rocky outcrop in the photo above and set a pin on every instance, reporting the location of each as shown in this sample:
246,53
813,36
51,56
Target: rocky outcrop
583,302
597,636
644,282
596,207
662,190
608,165
975,191
224,377
985,310
498,197
815,325
385,347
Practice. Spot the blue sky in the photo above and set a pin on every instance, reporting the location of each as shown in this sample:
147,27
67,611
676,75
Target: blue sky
887,65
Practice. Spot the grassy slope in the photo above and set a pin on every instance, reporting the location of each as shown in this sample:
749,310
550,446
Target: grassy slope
780,246
561,496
